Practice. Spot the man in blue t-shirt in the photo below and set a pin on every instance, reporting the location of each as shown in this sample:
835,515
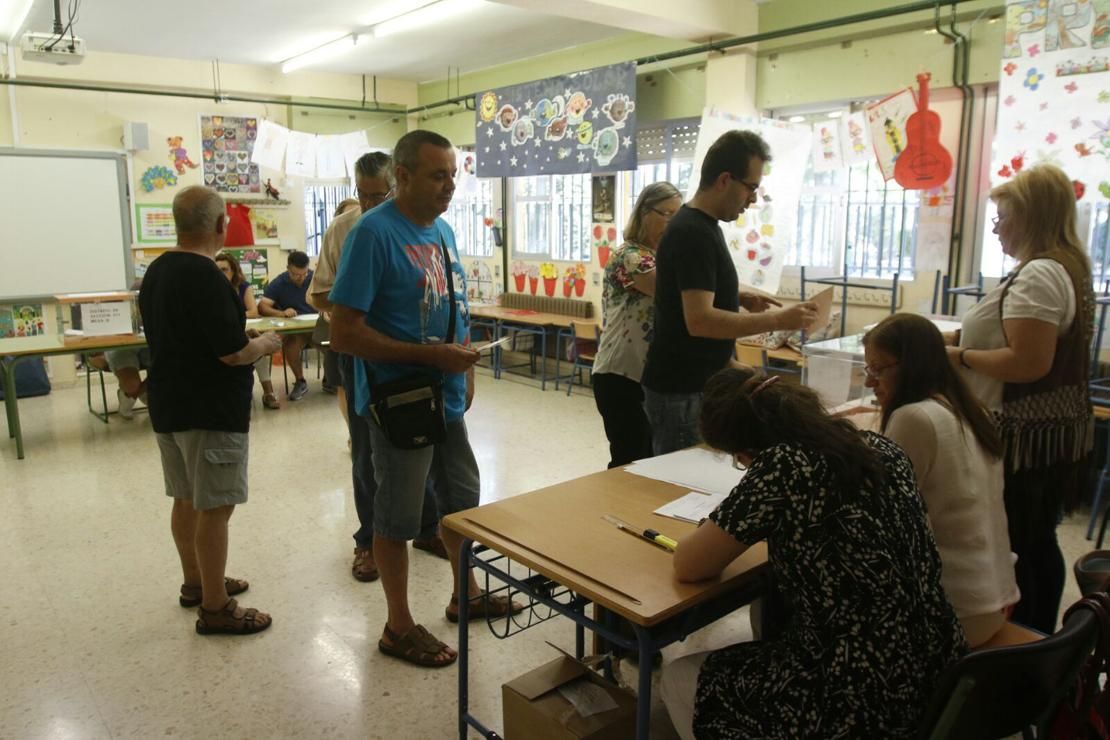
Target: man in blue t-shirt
393,298
286,296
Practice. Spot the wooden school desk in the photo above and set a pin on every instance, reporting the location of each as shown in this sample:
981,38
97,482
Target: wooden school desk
558,534
80,345
529,322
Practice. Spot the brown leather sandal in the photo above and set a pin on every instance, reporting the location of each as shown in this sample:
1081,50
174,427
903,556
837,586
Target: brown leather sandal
434,545
417,646
227,622
191,595
483,605
363,567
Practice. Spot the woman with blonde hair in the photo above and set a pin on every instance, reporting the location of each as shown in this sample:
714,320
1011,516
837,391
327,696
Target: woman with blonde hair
629,320
1024,350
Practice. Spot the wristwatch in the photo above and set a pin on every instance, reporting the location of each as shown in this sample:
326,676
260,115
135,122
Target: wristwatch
963,362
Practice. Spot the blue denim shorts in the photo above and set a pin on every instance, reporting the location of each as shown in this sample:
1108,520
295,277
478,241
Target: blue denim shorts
401,476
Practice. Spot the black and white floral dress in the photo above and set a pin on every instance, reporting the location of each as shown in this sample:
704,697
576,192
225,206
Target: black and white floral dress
870,630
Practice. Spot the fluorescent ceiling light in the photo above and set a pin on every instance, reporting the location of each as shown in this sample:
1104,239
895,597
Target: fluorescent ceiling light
835,113
392,9
797,119
13,14
425,16
321,53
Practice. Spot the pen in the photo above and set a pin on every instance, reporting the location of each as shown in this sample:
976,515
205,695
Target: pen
650,535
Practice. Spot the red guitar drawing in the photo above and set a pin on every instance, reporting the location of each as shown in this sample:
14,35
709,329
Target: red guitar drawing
924,163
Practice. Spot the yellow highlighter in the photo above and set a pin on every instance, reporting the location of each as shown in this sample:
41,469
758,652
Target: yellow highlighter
648,534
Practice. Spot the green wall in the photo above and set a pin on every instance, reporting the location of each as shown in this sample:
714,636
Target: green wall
861,61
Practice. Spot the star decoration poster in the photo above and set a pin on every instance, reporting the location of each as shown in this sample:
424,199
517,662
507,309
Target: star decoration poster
581,122
758,239
1054,93
226,146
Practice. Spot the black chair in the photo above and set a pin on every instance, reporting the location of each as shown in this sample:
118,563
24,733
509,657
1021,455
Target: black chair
1000,692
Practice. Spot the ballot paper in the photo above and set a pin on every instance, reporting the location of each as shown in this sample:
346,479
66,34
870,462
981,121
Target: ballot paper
824,302
693,507
697,469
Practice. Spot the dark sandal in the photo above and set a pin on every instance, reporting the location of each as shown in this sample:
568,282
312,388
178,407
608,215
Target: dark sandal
191,595
224,622
482,606
434,545
417,646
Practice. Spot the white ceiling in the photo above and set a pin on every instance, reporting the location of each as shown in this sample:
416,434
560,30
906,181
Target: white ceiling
255,32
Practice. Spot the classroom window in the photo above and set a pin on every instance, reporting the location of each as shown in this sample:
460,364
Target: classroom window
320,202
664,152
552,216
852,221
467,216
1093,223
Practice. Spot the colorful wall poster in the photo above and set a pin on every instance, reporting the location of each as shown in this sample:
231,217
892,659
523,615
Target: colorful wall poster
1054,93
569,124
264,224
26,320
887,123
226,146
480,285
254,265
758,239
603,190
155,223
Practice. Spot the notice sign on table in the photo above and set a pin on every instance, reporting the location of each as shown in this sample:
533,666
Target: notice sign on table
106,319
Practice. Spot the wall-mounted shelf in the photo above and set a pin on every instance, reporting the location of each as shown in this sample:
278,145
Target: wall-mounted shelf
259,202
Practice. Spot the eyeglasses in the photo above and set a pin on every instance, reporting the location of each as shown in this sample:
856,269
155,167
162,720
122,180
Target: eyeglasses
997,220
874,373
754,187
666,216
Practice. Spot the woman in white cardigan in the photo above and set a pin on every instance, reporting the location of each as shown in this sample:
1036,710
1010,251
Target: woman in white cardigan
956,452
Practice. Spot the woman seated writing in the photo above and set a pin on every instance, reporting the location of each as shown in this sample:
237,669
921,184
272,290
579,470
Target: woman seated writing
851,552
956,452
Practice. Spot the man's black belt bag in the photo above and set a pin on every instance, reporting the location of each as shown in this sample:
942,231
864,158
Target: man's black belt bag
410,410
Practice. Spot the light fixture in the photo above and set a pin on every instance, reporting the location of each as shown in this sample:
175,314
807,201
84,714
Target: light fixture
835,113
321,53
13,14
797,119
427,15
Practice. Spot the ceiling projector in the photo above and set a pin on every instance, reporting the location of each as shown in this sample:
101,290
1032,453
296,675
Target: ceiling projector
52,48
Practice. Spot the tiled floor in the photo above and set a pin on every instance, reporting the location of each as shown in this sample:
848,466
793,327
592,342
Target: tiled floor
94,645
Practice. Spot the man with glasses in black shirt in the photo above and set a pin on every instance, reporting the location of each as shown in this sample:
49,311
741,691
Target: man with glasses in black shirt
697,293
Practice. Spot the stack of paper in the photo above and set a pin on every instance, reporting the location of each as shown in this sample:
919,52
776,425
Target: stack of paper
710,477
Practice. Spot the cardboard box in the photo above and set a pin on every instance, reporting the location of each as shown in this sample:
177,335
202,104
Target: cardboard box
534,709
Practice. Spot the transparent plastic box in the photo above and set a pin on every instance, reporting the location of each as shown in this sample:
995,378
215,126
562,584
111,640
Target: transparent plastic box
834,368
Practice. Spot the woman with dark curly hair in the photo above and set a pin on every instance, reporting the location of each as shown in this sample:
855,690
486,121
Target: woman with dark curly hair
869,629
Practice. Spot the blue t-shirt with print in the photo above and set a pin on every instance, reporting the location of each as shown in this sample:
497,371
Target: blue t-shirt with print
392,270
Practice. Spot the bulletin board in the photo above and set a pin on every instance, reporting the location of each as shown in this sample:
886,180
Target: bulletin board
255,267
154,224
67,224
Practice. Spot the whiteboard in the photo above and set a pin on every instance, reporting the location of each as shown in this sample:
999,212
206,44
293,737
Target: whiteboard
66,226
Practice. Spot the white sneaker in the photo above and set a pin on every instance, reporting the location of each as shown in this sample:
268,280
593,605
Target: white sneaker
126,404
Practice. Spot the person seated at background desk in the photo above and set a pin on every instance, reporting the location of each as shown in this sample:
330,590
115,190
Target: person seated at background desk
229,266
849,545
285,297
956,452
125,364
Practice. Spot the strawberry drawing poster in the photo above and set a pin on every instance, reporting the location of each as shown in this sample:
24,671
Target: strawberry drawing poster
758,239
1054,93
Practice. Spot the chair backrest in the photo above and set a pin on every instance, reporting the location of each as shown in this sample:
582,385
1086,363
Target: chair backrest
587,331
1001,692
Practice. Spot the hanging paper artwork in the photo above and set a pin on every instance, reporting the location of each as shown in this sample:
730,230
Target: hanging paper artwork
300,154
570,124
329,158
179,155
269,146
480,285
603,189
924,163
855,144
226,146
354,145
827,154
759,238
156,178
1054,90
604,241
466,175
887,122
